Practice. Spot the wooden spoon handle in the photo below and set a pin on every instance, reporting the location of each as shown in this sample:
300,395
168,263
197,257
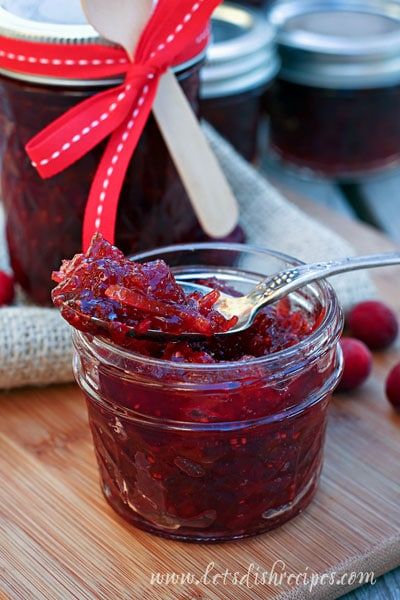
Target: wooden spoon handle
120,21
206,185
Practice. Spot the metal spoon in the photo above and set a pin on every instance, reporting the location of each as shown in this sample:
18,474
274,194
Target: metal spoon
281,284
266,292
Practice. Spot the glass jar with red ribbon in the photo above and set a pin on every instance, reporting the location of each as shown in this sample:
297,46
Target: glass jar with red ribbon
97,160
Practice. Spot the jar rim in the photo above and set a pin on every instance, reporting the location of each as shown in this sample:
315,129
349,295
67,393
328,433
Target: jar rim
314,341
16,26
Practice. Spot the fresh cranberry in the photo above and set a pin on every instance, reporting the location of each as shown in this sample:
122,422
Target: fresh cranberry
393,387
357,363
6,288
373,323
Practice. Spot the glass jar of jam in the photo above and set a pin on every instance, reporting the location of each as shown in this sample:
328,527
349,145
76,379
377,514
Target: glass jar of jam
335,108
222,439
44,217
241,64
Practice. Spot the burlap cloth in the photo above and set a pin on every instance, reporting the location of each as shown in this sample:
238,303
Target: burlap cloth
35,343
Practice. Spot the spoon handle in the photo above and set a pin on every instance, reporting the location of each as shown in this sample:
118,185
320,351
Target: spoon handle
287,281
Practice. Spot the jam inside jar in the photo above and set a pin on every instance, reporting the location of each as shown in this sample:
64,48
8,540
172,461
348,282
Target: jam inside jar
241,64
330,131
44,217
213,452
334,109
244,111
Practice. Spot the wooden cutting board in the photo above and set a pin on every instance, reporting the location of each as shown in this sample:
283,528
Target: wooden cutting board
59,540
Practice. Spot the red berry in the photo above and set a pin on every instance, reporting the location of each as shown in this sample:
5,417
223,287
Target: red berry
357,363
6,288
393,387
373,323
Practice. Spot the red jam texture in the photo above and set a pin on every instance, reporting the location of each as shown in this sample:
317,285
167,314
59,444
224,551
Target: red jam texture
246,460
103,284
132,298
208,485
210,450
330,130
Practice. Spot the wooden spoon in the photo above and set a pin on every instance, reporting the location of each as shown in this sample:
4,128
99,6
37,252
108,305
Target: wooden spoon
121,22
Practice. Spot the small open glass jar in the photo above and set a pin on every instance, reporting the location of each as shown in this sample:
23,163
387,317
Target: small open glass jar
44,217
241,64
335,108
212,452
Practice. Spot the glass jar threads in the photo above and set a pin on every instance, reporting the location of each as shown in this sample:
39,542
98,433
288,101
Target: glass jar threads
335,108
44,217
211,451
241,63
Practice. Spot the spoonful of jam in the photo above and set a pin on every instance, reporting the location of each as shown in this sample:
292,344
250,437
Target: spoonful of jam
103,291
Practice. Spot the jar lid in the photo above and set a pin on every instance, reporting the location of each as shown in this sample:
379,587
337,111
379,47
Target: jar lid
48,21
339,43
242,54
56,22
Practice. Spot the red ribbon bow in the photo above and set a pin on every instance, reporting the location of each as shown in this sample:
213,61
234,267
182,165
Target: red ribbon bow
174,29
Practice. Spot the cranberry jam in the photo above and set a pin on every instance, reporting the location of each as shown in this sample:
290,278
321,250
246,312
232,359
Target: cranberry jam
336,133
125,295
211,440
335,107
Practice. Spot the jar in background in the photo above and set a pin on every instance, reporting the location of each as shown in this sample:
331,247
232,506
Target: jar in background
335,108
44,217
241,63
212,452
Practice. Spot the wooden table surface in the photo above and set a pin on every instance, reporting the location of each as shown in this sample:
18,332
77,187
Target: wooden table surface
41,444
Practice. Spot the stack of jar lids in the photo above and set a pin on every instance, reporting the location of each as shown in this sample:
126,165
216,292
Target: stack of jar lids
242,55
339,43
